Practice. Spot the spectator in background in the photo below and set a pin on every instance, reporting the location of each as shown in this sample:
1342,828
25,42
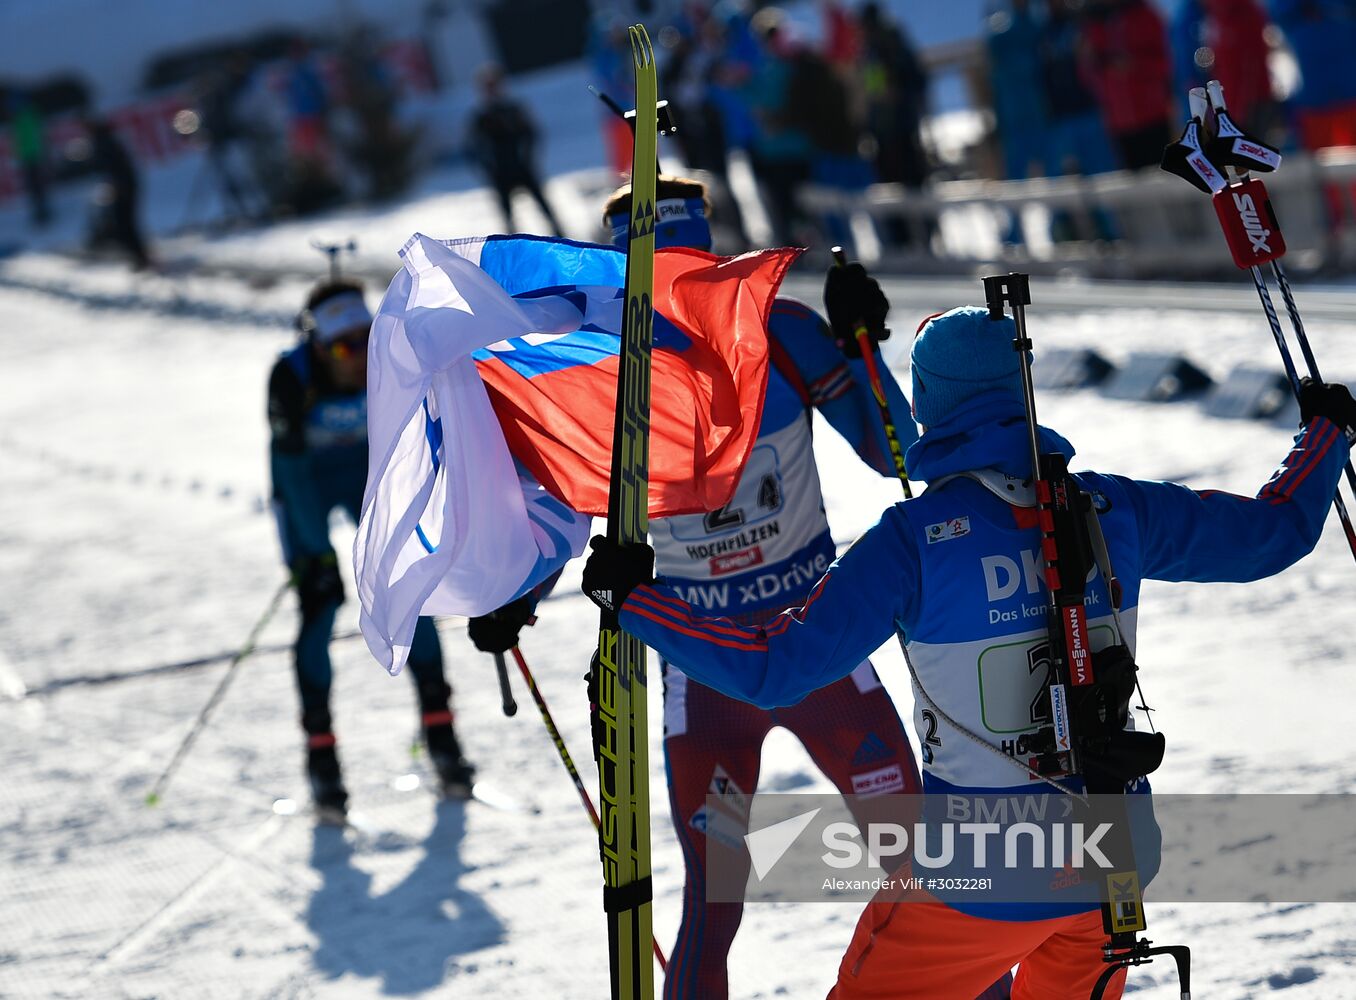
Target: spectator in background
842,38
312,184
740,53
29,140
1013,43
1078,142
119,194
1322,34
1225,40
689,74
378,146
896,86
781,148
1126,60
895,89
308,104
219,92
822,101
503,140
610,59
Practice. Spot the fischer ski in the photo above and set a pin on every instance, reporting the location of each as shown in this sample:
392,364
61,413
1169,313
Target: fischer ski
621,732
568,761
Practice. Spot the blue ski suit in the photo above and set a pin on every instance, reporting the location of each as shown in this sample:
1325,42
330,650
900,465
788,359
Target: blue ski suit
955,574
318,461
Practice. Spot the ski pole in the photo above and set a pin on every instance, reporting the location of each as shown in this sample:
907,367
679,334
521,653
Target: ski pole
878,390
568,761
1215,96
505,692
666,125
158,789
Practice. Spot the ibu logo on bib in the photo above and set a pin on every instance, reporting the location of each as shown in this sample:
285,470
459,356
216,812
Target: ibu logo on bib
944,531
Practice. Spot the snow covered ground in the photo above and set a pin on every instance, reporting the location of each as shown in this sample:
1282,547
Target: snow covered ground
133,536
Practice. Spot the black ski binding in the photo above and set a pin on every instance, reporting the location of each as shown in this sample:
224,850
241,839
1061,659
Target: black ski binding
1141,952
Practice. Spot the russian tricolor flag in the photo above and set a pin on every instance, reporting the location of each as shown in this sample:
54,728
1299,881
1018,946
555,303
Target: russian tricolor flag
492,369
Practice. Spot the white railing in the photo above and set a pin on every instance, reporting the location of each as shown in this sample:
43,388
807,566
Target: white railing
1123,224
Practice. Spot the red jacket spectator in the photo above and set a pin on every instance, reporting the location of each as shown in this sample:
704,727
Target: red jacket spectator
1235,33
1129,65
842,36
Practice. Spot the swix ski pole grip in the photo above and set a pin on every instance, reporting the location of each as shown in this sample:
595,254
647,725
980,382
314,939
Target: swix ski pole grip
1251,261
1244,207
1249,223
868,350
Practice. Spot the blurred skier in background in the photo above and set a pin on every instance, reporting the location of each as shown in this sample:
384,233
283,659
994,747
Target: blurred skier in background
317,412
29,144
503,140
119,195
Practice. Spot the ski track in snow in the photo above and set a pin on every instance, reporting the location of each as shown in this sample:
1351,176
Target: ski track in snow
120,393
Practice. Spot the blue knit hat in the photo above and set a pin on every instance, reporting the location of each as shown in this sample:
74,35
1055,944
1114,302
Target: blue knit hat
960,354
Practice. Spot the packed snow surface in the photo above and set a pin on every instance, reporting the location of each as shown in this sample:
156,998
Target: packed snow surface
134,535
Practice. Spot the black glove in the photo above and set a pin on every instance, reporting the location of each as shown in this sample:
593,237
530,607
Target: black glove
593,679
318,583
1328,399
498,631
853,299
614,570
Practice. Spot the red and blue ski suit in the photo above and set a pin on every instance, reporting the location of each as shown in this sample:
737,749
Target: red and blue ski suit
759,554
955,573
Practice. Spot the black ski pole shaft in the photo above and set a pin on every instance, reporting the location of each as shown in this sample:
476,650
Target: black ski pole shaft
878,390
662,110
505,691
200,723
563,752
612,105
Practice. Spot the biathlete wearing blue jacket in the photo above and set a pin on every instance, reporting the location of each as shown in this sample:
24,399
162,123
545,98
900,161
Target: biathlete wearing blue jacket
955,573
317,412
759,554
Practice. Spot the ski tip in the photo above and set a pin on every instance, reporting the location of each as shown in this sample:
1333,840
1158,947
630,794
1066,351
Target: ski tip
491,795
152,800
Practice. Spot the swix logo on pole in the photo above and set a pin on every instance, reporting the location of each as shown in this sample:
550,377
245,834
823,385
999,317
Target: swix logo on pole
1206,171
1249,224
1252,225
